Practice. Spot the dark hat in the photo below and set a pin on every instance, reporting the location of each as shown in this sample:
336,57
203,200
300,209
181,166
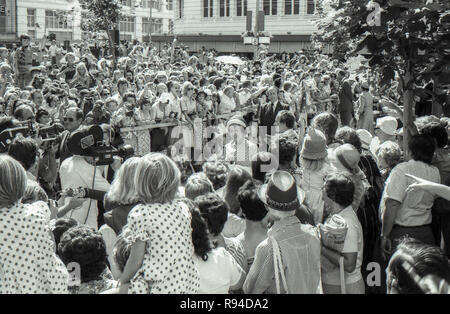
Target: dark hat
281,192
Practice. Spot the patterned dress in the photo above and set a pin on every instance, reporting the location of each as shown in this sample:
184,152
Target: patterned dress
28,263
168,266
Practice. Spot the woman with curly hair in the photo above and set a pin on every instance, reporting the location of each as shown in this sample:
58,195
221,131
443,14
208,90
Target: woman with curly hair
85,247
389,155
219,272
216,172
287,154
215,212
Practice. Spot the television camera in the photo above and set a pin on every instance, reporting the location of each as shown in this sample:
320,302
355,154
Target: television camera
89,142
29,129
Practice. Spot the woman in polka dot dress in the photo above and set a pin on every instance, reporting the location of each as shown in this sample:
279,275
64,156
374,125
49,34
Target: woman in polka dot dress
162,254
28,263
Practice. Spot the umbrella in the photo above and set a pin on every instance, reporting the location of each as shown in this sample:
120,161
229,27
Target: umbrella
230,60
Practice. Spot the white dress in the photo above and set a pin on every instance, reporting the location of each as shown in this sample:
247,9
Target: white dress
28,263
168,265
312,182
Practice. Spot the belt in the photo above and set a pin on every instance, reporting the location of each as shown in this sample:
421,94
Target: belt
422,226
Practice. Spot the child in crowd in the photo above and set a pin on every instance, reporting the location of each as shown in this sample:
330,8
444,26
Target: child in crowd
315,167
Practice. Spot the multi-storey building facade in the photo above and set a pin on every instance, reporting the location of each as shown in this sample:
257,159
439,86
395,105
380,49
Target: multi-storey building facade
219,24
8,23
42,17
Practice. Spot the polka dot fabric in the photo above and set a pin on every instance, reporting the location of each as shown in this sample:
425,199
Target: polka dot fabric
28,263
168,265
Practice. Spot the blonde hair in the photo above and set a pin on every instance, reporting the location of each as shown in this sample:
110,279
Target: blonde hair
185,86
390,152
123,189
157,178
79,66
34,193
196,185
13,181
314,165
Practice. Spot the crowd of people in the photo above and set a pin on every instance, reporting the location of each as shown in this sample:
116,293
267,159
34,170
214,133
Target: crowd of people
311,185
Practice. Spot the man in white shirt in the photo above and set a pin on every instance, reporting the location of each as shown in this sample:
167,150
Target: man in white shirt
80,171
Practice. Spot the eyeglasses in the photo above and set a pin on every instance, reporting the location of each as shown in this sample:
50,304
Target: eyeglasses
189,88
68,119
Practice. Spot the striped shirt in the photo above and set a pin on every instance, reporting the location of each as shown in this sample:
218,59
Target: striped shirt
300,253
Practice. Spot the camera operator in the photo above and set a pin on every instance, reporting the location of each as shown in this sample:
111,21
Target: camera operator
72,121
80,171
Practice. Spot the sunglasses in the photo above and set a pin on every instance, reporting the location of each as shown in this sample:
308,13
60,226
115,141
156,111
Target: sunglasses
68,119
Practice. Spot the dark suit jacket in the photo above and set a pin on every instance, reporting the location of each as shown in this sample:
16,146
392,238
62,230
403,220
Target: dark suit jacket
345,98
267,115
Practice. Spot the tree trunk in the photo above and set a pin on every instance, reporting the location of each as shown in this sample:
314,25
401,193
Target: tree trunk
408,109
112,44
436,108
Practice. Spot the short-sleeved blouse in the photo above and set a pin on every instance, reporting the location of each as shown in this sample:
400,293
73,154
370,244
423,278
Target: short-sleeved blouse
188,105
168,265
28,263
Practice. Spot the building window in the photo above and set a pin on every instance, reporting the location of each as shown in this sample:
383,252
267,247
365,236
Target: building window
56,19
169,5
241,7
127,24
126,37
170,26
156,26
208,8
224,8
31,17
180,8
291,7
310,7
270,7
126,3
155,4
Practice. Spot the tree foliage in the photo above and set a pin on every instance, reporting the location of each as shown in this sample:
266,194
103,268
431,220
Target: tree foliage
100,15
407,40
